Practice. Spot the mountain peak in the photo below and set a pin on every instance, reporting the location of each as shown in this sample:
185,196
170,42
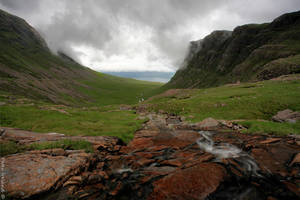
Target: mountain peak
286,20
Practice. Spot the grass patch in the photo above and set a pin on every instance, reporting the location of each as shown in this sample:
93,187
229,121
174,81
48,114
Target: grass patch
66,144
10,147
269,127
246,101
79,121
109,90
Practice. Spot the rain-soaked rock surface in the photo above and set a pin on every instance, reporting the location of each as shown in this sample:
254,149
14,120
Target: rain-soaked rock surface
167,159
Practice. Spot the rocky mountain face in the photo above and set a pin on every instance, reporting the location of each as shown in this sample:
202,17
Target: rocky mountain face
250,52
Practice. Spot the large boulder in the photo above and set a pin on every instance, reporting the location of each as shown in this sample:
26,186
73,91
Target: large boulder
286,116
193,183
35,172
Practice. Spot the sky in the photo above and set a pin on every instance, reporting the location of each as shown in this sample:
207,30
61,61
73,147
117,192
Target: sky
138,36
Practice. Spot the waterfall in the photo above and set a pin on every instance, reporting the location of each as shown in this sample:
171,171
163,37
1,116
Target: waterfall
225,150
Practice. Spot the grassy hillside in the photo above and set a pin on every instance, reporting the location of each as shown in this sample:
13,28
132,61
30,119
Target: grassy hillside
252,103
108,90
251,52
29,69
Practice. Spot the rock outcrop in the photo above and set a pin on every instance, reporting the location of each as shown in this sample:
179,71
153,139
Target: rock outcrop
286,116
33,173
211,41
208,124
167,159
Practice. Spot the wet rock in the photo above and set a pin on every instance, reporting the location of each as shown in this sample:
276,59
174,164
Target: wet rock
52,152
192,183
201,159
292,187
31,174
151,172
163,162
270,140
274,157
286,116
296,159
173,120
173,162
145,161
2,132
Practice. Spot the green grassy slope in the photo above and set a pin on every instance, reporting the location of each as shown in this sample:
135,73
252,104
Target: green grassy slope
29,69
108,90
255,103
74,121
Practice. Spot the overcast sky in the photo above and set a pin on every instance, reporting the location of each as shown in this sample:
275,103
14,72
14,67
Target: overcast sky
137,35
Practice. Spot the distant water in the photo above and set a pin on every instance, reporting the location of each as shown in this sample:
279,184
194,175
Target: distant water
154,76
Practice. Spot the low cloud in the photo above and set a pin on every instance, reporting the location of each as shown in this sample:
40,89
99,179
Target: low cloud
137,35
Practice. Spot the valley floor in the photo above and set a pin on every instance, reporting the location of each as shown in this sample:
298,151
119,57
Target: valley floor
250,105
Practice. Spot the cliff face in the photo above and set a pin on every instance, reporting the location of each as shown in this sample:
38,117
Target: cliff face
251,52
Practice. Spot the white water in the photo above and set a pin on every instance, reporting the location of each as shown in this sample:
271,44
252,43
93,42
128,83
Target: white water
225,150
123,170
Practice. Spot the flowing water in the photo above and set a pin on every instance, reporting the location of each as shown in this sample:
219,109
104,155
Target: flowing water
225,150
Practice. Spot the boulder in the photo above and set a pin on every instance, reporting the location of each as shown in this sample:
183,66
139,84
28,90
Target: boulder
34,173
193,183
125,107
286,116
296,159
173,120
208,124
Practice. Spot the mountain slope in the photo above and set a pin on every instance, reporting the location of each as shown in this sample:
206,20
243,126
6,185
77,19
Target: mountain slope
28,68
251,52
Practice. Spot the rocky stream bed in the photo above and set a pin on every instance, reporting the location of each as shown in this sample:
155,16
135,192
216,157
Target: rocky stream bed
167,159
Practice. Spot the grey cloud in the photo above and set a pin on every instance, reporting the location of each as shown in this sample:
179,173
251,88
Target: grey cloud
165,26
21,5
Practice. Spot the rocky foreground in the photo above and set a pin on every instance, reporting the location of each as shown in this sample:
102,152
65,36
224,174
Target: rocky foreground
167,159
